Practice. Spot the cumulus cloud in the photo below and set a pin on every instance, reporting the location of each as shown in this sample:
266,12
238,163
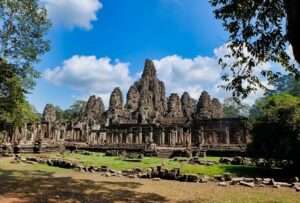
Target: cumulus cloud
90,75
73,13
185,74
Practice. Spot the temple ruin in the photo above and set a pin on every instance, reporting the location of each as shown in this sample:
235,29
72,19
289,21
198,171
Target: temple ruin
147,120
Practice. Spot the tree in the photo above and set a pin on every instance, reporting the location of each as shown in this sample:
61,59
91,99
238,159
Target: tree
75,110
23,25
276,128
14,109
286,83
257,34
234,109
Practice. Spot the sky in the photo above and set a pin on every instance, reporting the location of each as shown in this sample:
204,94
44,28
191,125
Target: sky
97,45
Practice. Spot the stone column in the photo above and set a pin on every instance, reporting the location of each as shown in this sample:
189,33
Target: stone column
163,135
151,135
227,134
130,137
140,136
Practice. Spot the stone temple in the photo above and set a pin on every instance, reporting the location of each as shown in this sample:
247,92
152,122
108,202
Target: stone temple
146,120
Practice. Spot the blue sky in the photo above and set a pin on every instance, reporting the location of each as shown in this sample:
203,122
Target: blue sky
99,44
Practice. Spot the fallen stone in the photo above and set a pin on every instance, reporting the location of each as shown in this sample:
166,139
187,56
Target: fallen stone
156,179
223,184
203,179
219,178
297,188
248,180
284,184
193,178
132,176
227,176
247,184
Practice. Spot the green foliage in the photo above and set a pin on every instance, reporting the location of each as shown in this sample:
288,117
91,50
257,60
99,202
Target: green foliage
286,83
257,34
233,109
23,25
11,96
276,123
14,109
75,110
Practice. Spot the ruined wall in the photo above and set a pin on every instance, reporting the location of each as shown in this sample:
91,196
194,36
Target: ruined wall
147,117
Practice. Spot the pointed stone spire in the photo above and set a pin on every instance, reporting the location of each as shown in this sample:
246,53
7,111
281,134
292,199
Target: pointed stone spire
94,109
149,69
49,113
188,105
116,100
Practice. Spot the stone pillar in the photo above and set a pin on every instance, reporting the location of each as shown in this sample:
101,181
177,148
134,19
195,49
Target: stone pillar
130,137
151,135
140,136
227,134
163,135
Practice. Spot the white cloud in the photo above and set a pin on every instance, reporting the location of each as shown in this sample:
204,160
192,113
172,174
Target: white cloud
73,13
192,75
89,75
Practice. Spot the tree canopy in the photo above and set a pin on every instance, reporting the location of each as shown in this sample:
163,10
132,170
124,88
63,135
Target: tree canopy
234,109
14,109
23,25
259,32
276,128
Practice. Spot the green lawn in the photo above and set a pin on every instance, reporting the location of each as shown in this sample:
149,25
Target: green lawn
117,163
23,182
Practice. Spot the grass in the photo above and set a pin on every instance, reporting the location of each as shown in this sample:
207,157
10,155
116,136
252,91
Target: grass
117,163
21,182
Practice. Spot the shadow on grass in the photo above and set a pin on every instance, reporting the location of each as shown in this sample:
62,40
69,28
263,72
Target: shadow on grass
43,187
252,171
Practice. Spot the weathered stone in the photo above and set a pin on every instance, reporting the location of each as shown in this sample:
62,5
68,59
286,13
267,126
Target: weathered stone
247,184
217,109
174,106
93,110
203,179
116,100
223,184
204,106
188,105
193,178
227,176
152,94
133,98
49,113
147,123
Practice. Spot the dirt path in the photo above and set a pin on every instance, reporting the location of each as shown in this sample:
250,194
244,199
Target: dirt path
24,183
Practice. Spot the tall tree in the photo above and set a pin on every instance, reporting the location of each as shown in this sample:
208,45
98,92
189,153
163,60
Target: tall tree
286,83
233,108
23,25
259,31
276,128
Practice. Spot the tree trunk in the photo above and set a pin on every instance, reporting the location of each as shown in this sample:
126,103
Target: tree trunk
293,26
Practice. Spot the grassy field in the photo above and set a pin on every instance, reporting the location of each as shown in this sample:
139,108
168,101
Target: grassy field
36,183
117,163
